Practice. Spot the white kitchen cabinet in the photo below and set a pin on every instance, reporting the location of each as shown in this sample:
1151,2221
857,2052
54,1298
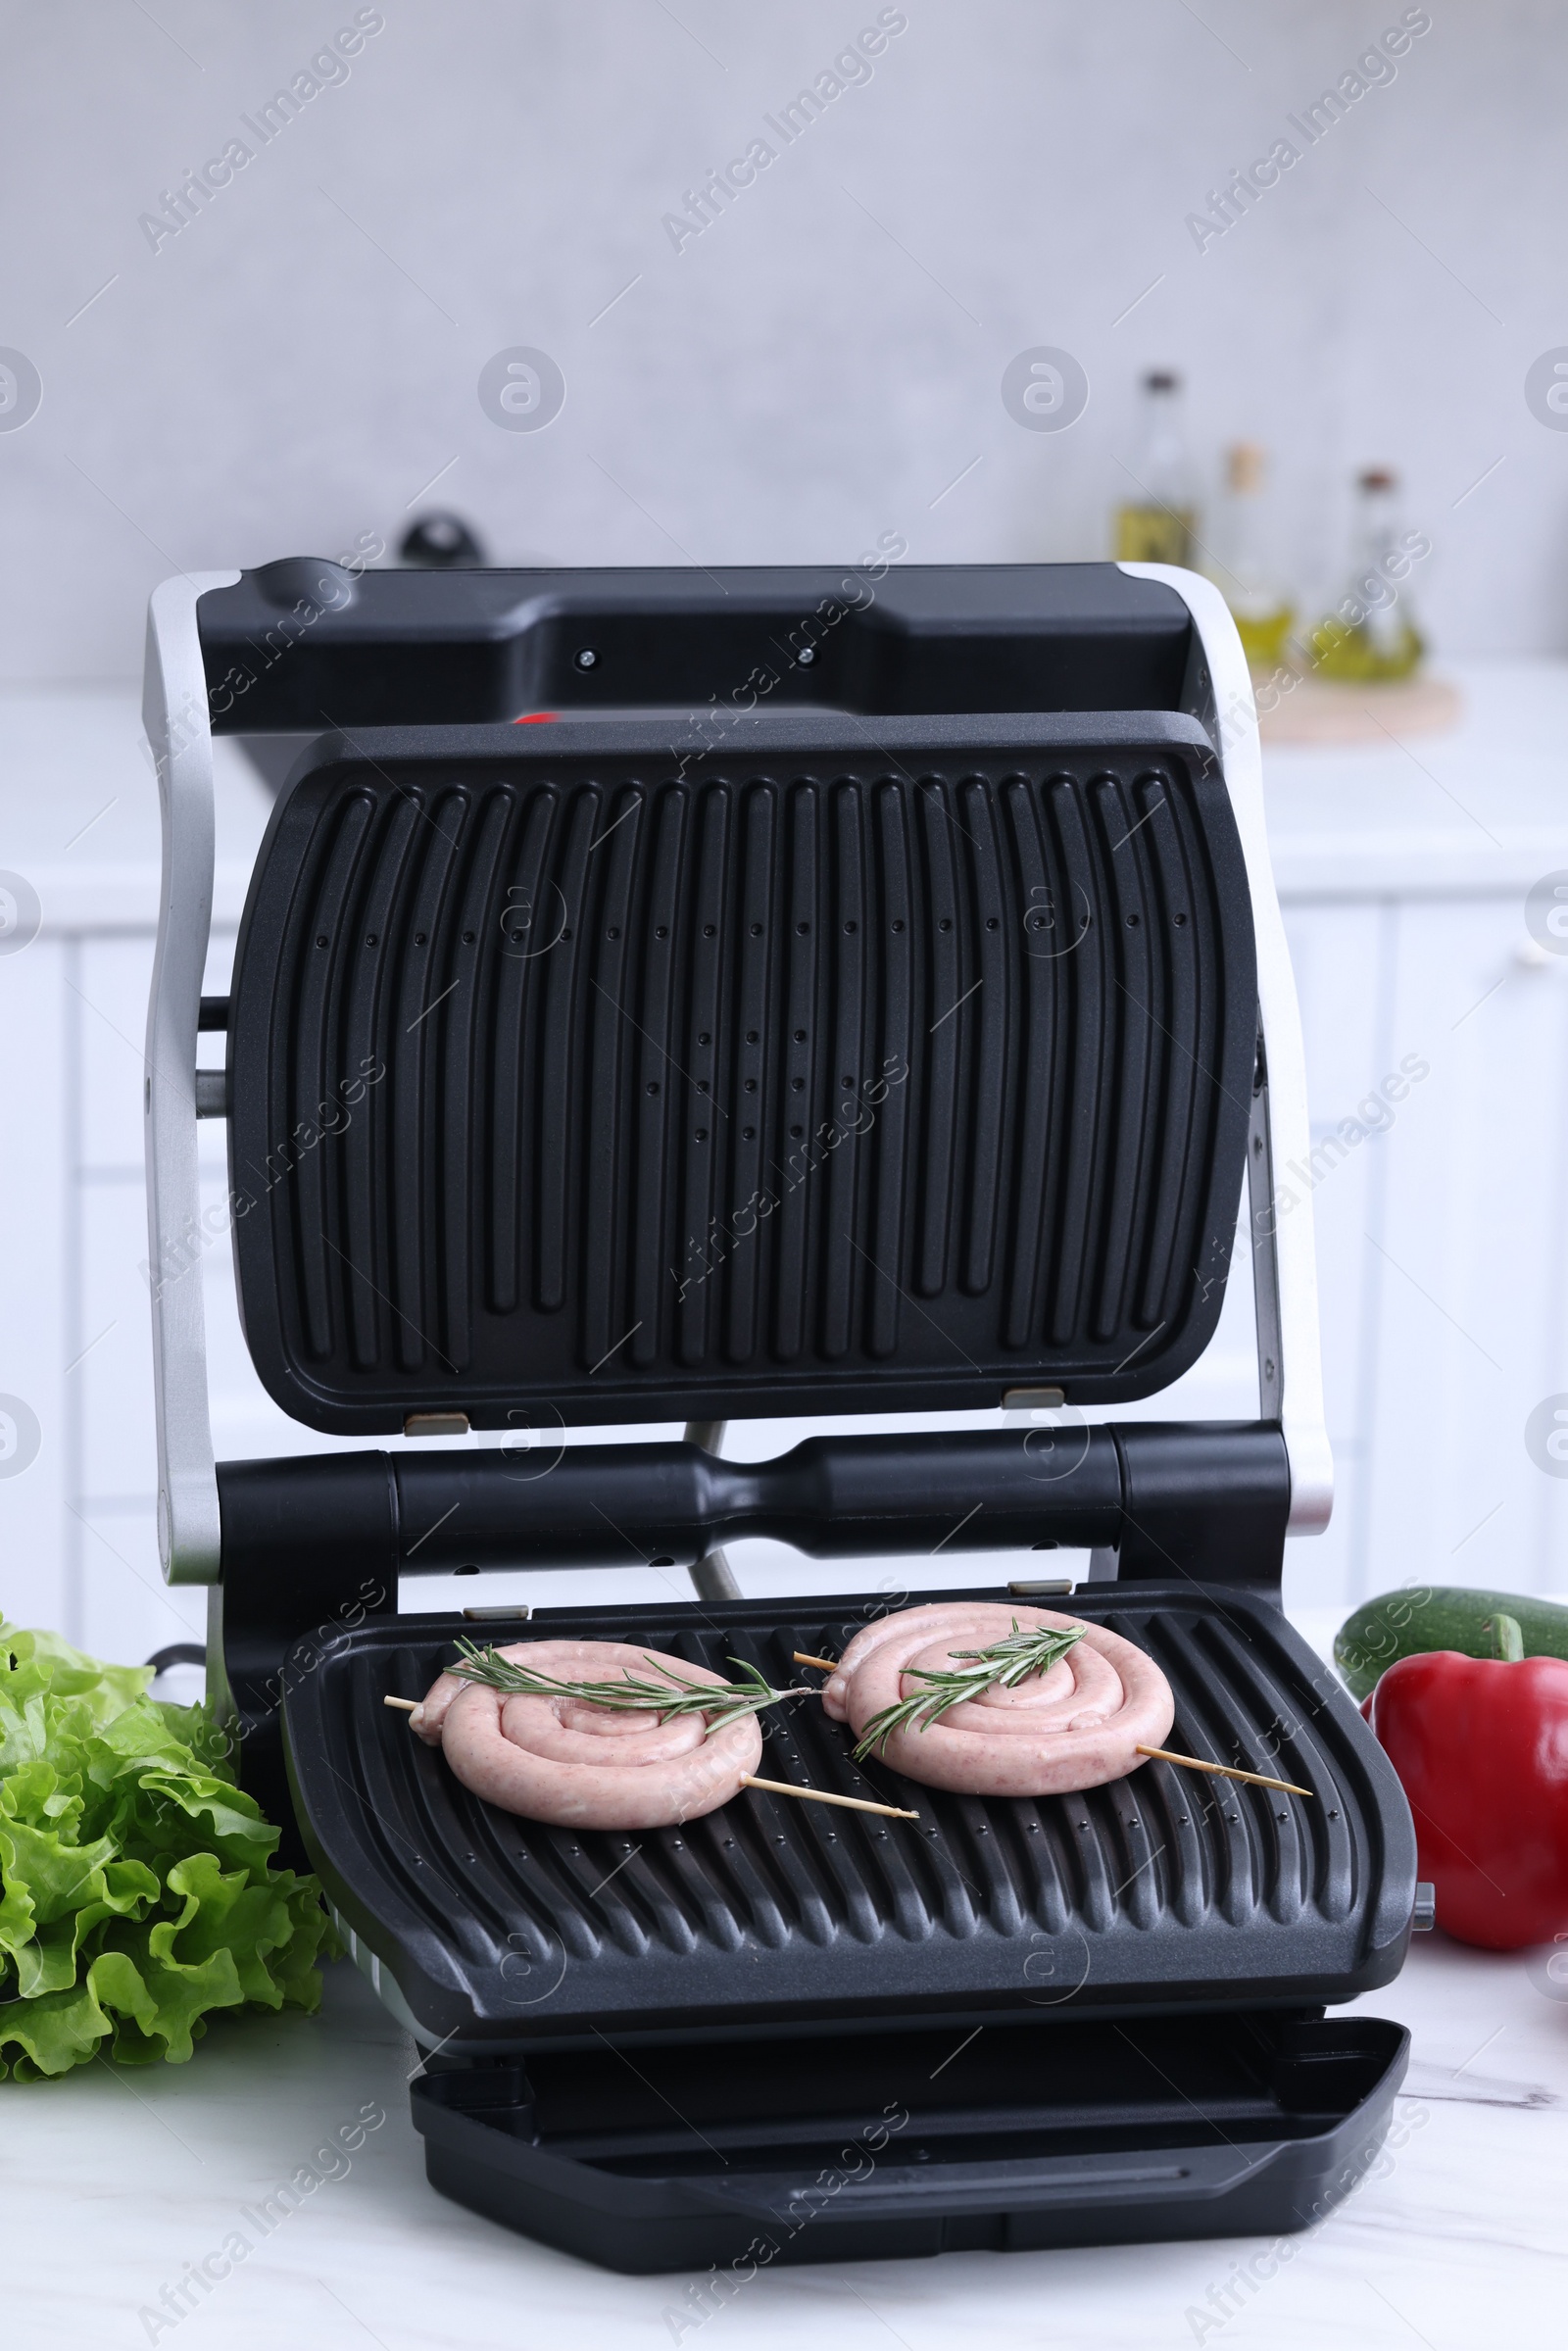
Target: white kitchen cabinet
1337,953
1442,1281
1442,1261
40,1274
1471,1271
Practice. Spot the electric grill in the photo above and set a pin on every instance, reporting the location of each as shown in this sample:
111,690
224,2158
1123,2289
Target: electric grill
856,994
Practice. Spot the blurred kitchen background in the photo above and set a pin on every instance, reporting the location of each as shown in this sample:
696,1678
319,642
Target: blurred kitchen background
1278,286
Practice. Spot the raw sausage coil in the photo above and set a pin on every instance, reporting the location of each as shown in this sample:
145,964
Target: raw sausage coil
584,1765
1078,1725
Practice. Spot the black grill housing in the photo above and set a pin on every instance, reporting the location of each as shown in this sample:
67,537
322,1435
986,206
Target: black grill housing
993,798
670,1082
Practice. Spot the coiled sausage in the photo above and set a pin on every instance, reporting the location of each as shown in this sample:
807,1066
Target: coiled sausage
1078,1725
588,1766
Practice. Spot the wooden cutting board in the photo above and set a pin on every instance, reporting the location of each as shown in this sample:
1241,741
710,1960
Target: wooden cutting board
1313,711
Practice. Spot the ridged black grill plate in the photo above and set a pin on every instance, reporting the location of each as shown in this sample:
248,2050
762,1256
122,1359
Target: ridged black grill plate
1163,1889
834,1065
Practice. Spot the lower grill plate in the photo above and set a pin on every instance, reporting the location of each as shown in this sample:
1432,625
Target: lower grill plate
1165,1888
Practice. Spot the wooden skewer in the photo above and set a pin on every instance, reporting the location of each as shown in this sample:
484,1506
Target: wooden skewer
819,1795
827,1663
774,1788
1225,1771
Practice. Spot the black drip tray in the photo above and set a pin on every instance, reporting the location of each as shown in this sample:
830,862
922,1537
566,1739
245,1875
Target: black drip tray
867,2145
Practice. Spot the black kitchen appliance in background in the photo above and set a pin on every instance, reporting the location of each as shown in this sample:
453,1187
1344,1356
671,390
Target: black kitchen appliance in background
684,996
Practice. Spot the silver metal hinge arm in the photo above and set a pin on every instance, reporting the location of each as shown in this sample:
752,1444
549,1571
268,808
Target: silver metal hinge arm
1283,1262
1265,1260
175,715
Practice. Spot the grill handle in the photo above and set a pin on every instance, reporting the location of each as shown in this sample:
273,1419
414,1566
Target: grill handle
313,1545
1206,1500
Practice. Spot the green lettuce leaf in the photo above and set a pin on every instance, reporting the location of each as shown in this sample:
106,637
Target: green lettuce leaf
137,1889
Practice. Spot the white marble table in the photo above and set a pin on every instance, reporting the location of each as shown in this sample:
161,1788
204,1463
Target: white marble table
112,2180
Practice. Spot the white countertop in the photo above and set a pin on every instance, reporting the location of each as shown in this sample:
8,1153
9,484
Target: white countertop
1480,808
116,2178
78,808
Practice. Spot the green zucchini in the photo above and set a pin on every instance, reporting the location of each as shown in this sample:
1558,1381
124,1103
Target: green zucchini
1439,1616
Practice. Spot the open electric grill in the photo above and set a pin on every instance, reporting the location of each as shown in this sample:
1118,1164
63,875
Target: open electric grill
853,994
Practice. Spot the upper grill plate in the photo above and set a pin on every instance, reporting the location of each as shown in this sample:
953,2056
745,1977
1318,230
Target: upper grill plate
575,1074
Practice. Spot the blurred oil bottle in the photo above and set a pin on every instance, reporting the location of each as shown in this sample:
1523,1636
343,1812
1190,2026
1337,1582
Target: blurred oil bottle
1241,568
1371,635
1156,524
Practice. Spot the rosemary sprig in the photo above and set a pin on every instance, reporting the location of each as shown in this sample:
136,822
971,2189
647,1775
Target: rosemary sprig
666,1698
1004,1664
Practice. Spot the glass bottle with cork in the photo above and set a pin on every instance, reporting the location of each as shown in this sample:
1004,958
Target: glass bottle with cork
1241,568
1156,524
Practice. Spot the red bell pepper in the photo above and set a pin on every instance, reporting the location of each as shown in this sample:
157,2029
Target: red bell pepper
1481,1748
